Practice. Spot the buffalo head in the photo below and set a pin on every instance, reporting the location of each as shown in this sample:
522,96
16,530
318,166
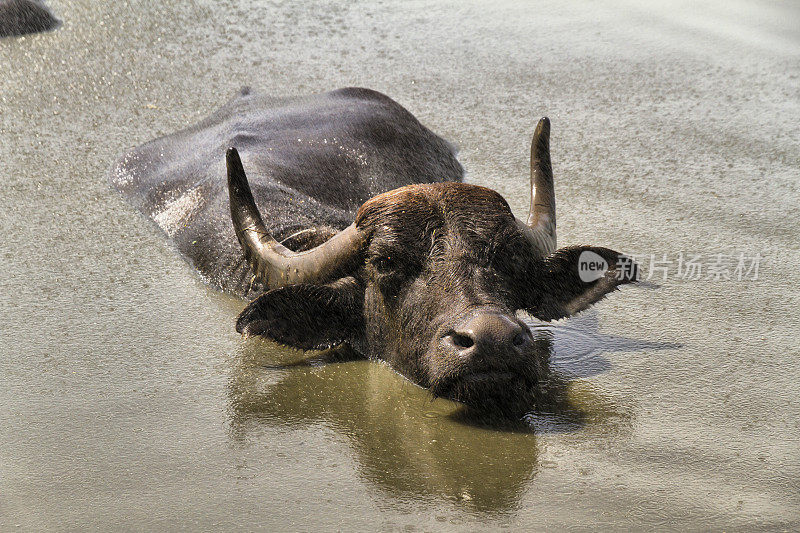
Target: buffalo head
428,278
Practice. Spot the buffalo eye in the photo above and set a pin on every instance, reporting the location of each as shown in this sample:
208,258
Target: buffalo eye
385,264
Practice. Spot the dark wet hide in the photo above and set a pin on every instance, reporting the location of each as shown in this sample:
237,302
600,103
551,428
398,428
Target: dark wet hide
516,407
504,395
21,17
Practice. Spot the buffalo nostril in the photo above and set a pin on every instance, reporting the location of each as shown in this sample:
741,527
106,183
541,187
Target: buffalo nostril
462,341
489,332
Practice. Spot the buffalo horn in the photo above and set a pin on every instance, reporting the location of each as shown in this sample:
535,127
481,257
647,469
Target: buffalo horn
540,227
272,262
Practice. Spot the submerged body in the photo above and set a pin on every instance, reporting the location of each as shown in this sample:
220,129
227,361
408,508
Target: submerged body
312,161
367,238
21,17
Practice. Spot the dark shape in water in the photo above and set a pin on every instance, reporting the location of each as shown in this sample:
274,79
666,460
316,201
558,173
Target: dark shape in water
21,17
404,443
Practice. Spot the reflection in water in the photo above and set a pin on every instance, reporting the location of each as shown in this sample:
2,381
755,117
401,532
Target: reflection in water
409,444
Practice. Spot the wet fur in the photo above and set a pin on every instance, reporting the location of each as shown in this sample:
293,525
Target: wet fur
436,252
21,17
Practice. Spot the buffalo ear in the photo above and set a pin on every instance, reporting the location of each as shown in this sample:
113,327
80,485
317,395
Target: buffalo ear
572,279
305,316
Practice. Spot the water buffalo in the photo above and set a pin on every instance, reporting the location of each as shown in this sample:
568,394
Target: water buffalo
369,239
20,17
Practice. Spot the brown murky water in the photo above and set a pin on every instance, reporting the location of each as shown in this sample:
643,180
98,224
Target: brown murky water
129,402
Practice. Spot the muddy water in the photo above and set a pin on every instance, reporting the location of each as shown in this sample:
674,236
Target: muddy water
128,401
